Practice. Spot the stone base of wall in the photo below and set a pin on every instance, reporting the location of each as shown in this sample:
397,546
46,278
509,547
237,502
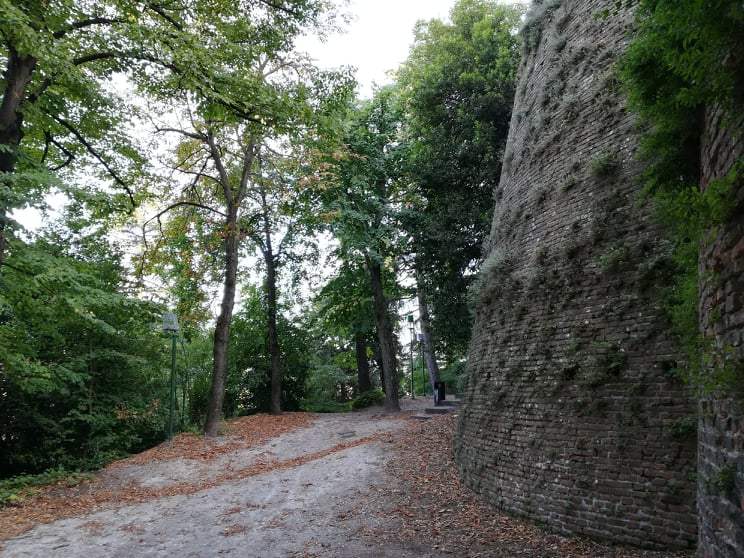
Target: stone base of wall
721,479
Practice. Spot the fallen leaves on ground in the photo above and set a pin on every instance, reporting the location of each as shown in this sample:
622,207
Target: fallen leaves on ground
435,509
240,433
59,501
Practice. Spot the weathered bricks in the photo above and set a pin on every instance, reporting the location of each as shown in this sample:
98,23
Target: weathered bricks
571,414
721,417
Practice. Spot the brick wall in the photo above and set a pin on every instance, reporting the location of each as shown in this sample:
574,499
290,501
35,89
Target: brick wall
721,423
571,414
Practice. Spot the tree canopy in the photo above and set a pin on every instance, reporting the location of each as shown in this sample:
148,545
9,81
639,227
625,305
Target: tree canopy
208,166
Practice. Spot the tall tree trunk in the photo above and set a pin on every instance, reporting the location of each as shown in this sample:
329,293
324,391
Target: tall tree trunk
273,336
222,328
428,344
385,336
17,76
360,345
378,360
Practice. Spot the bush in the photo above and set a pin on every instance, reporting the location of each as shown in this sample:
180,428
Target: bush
325,406
367,399
534,20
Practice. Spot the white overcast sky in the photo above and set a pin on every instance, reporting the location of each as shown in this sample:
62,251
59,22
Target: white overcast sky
378,38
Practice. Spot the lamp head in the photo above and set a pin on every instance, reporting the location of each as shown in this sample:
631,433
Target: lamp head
170,323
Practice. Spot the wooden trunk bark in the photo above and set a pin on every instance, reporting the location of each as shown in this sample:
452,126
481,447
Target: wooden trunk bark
363,380
427,342
18,73
378,361
222,328
385,336
273,336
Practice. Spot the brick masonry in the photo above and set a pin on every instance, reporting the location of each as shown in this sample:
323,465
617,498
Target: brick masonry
571,414
721,419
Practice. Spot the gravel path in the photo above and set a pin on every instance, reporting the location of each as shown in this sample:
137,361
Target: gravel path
315,508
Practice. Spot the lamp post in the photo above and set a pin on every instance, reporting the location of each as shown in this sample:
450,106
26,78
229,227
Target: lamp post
170,325
410,329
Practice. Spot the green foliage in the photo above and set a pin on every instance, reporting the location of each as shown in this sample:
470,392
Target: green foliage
345,302
493,276
686,57
534,22
248,385
70,116
454,375
82,379
684,428
615,259
328,382
457,89
312,406
570,183
723,482
368,399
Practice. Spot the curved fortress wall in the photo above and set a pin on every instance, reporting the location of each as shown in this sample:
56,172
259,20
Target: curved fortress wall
572,415
721,427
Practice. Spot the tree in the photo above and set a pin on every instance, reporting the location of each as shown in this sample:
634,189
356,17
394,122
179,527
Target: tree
363,210
345,310
430,357
57,103
220,151
457,90
282,209
82,374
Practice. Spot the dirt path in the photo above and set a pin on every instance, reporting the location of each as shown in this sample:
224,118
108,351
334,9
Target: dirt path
349,485
307,504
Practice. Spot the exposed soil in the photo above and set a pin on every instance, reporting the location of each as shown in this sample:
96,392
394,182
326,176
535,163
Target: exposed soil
300,485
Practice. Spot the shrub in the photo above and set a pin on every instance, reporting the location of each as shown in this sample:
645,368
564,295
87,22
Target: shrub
325,406
368,399
616,259
684,428
454,376
671,71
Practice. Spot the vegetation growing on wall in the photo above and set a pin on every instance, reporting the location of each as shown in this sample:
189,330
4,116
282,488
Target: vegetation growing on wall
686,56
532,27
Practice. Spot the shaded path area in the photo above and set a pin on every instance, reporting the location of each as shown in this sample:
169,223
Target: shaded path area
346,485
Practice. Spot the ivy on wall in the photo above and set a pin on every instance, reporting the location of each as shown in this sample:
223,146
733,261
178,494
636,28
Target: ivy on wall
686,55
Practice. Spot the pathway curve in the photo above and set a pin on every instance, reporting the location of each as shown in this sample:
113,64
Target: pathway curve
311,504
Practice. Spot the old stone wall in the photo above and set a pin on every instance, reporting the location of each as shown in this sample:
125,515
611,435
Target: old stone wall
572,414
721,422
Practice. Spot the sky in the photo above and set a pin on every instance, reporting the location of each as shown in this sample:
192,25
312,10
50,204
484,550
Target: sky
377,39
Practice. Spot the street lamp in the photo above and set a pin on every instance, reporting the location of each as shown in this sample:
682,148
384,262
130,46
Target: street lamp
170,325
